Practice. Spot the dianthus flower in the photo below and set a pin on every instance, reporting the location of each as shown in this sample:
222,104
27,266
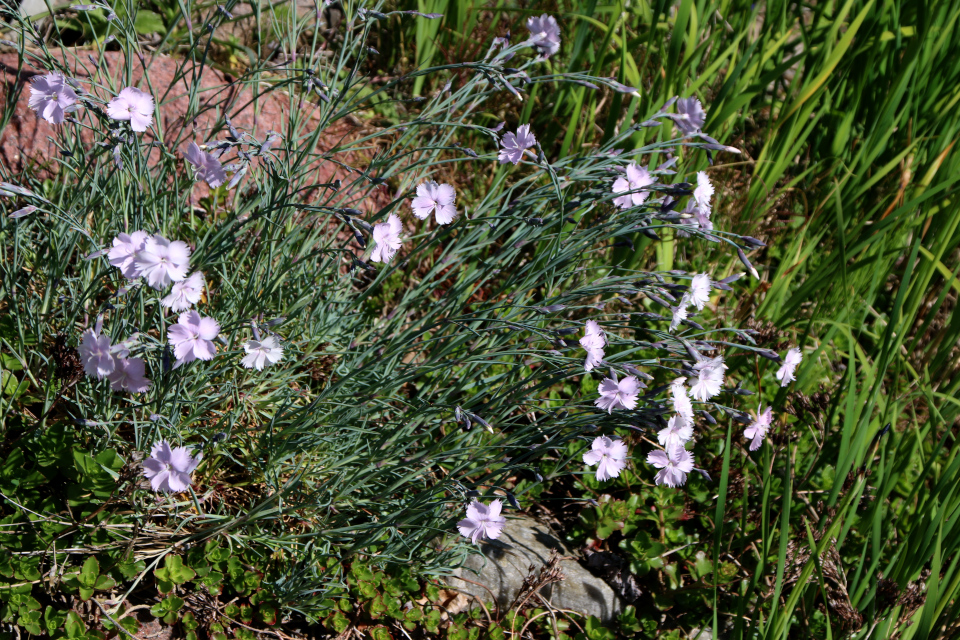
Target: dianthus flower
192,338
95,353
681,401
610,456
544,34
123,253
387,236
678,432
679,313
482,521
185,293
690,115
697,219
790,362
593,342
674,465
637,177
51,97
162,262
700,290
757,430
129,375
435,198
206,166
261,352
618,394
515,145
169,469
709,378
134,105
703,192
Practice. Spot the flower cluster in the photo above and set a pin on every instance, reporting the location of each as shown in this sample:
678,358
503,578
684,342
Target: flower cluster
101,359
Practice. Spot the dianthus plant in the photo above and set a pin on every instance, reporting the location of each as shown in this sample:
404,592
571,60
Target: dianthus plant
356,398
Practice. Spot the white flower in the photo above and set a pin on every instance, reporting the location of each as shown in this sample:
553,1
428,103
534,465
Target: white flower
618,395
757,430
700,290
678,432
482,521
95,354
681,401
703,193
786,373
674,465
690,115
709,380
433,197
610,456
192,338
129,375
124,251
637,177
134,105
163,262
185,293
593,342
679,313
261,352
387,236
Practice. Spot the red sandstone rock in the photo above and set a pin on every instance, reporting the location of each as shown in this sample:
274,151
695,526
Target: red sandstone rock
28,140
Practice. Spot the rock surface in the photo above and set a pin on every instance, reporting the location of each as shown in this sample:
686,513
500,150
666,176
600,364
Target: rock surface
28,141
506,561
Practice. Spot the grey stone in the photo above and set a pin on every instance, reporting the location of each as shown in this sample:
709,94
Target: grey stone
506,562
30,8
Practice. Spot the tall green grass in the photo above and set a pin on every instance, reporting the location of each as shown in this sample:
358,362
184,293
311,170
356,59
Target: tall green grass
848,112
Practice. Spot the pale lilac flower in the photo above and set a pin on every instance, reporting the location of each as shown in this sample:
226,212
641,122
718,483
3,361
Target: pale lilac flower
618,395
593,341
261,352
51,97
162,262
674,465
387,236
681,401
133,105
192,338
679,313
435,198
786,373
129,375
637,178
709,378
169,469
700,290
544,34
610,456
690,115
757,430
206,166
482,521
123,253
703,192
185,293
679,430
514,145
95,353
